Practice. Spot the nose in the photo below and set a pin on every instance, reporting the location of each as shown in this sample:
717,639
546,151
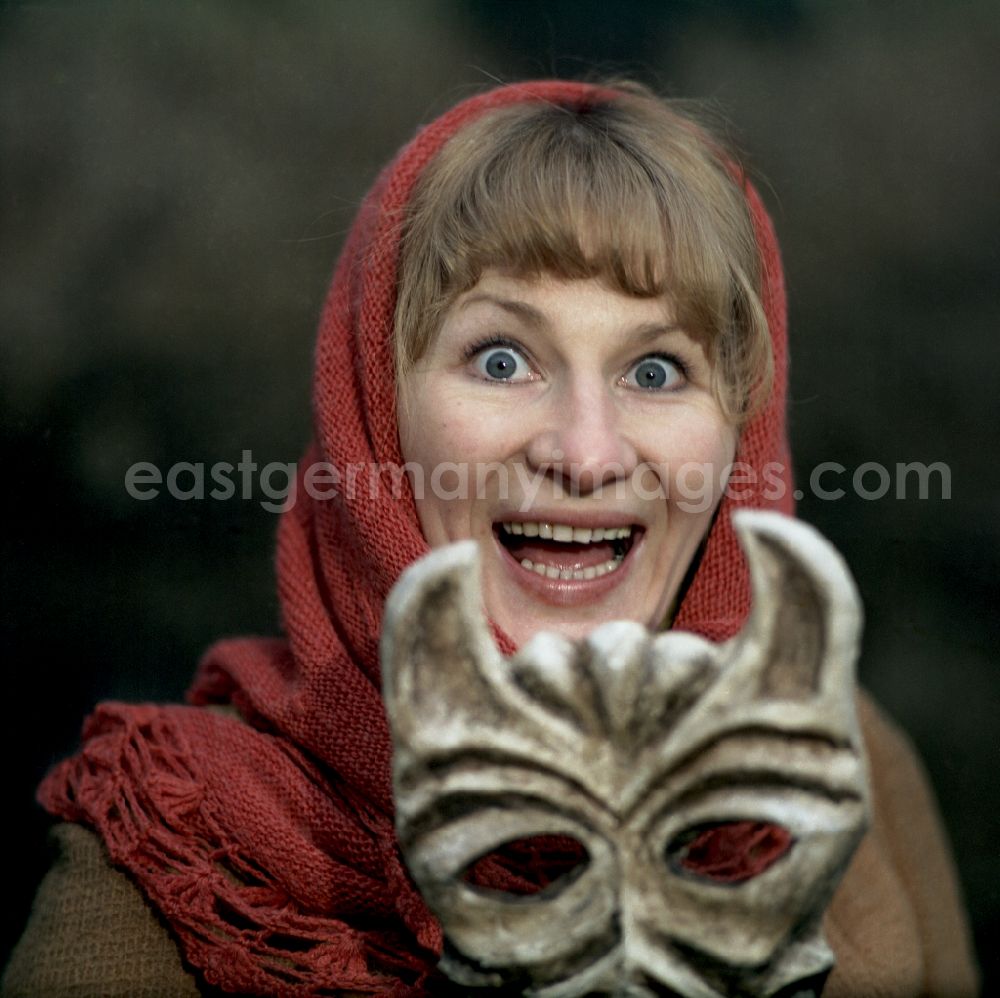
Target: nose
581,441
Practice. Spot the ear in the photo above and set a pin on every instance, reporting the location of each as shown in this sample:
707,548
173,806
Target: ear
436,648
802,636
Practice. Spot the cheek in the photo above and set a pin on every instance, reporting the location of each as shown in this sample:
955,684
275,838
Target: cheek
453,430
428,434
697,462
442,448
445,439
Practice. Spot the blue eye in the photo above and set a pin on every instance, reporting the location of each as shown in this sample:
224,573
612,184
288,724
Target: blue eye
656,374
502,363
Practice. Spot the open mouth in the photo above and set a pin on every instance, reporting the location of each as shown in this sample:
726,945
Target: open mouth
561,551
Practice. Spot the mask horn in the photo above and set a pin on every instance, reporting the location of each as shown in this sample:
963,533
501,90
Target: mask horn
803,632
436,648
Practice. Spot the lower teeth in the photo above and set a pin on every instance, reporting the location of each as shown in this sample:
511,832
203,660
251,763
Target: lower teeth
574,574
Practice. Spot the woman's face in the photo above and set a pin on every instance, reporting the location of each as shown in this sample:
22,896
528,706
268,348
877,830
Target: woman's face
571,431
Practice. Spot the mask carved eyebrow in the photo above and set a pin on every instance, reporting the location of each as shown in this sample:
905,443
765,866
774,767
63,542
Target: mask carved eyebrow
658,758
751,758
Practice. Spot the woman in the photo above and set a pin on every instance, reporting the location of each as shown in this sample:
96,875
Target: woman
582,299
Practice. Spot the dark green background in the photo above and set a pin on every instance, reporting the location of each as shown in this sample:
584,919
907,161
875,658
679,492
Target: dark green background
176,181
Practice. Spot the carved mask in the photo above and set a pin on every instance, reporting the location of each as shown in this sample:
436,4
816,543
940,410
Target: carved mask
632,744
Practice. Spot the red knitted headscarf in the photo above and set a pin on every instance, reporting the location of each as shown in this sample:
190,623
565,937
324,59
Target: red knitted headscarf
268,846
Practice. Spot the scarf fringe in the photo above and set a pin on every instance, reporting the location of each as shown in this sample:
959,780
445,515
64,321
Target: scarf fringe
136,784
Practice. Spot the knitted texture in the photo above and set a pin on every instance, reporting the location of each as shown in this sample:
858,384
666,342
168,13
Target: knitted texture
270,847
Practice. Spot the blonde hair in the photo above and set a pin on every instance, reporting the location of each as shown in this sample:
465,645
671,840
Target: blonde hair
626,189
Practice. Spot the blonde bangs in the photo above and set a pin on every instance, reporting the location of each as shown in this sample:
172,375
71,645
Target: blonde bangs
625,191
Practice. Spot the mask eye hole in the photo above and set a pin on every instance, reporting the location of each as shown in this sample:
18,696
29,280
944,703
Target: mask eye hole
729,852
525,867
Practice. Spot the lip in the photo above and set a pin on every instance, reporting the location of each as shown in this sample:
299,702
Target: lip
570,592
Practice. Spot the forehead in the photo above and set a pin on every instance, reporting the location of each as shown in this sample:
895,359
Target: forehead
548,301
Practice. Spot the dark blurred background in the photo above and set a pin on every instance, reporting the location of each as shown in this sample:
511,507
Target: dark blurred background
177,179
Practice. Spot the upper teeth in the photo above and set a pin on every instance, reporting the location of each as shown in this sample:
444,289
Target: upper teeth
566,533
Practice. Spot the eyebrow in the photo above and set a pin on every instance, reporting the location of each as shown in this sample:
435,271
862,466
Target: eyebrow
521,309
534,317
652,330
